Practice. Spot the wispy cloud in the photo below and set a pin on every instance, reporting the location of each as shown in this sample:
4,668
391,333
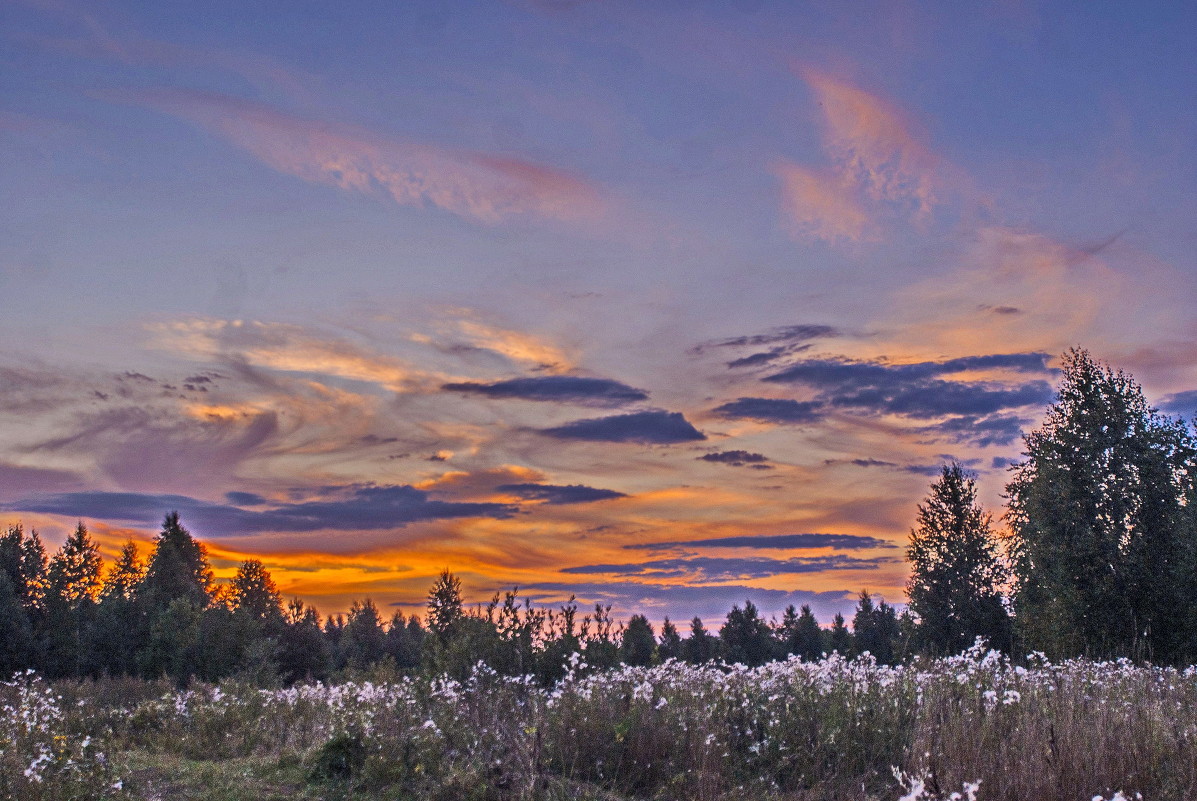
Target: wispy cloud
819,204
289,348
713,568
765,541
873,146
482,187
879,168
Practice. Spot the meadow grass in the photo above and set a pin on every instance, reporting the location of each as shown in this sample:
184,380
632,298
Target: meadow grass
967,727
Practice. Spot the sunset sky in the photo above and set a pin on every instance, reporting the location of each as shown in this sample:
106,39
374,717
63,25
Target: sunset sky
669,305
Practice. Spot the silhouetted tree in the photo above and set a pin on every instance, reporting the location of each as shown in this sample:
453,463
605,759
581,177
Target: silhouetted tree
363,642
253,592
839,639
16,633
638,642
114,637
74,571
444,606
178,569
405,636
303,651
700,646
875,629
670,644
745,638
956,575
805,638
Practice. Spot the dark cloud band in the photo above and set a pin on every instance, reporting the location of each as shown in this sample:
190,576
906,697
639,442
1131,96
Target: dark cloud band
842,542
560,494
356,508
646,428
558,388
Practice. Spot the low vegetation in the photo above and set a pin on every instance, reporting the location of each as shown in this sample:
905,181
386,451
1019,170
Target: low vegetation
971,726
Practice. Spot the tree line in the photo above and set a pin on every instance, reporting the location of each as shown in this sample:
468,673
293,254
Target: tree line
1098,557
64,617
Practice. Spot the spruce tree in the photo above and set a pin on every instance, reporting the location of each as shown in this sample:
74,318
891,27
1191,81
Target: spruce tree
178,569
839,639
638,642
956,574
745,638
74,571
670,644
252,592
808,637
444,606
700,646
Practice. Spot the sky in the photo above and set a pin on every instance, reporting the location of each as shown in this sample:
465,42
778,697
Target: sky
667,305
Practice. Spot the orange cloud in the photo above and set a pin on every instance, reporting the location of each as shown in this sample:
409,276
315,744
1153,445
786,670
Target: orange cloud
477,186
820,205
515,345
291,348
872,144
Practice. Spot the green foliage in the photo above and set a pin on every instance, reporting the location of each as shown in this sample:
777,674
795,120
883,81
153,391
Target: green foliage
1103,531
700,646
745,638
956,574
670,645
178,570
638,644
444,605
342,757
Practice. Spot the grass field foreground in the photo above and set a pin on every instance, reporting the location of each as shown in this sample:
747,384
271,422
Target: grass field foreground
967,727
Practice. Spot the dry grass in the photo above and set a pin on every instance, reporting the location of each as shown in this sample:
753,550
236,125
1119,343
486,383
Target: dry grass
795,731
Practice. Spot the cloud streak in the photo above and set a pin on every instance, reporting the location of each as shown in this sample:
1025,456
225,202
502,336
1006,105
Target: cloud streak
771,410
782,541
711,569
557,388
646,428
350,508
481,187
556,494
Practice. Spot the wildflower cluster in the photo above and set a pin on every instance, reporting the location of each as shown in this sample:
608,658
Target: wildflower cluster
42,757
968,728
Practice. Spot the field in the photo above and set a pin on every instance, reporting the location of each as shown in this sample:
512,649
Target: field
968,727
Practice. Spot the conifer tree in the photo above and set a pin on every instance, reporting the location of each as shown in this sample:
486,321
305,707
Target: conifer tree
444,605
745,638
670,644
74,571
178,569
700,646
808,637
638,642
252,592
956,573
1102,535
839,639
